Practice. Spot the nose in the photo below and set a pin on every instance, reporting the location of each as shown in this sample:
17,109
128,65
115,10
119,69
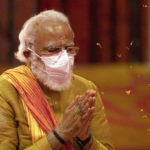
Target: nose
64,51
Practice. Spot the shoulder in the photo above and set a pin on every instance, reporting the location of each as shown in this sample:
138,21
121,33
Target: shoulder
7,90
81,81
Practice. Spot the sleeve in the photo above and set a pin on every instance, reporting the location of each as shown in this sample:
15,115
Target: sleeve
40,144
8,130
99,126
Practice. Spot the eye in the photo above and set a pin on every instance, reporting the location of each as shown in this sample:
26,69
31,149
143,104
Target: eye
69,48
53,50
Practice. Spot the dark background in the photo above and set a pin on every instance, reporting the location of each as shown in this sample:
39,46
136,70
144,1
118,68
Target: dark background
119,26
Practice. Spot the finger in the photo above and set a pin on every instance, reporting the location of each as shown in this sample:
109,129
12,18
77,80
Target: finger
89,115
76,120
85,108
84,116
84,129
74,102
86,94
87,121
92,93
84,99
92,101
77,123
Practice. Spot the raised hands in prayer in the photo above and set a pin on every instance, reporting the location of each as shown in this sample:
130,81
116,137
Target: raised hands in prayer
77,116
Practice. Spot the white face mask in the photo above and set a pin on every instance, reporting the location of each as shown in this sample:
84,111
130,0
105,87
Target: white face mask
58,66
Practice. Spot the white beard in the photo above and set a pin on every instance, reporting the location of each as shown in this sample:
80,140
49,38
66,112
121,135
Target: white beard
37,67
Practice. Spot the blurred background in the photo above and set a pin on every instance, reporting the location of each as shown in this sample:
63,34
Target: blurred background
113,36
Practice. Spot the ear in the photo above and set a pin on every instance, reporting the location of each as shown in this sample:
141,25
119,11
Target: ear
26,53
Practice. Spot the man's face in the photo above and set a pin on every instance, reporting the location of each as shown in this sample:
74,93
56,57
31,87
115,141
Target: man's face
58,35
51,36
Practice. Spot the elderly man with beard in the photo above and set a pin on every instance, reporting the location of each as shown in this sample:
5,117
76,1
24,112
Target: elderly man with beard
43,105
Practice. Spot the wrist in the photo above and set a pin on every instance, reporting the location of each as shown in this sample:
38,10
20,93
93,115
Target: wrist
85,136
84,142
89,144
53,141
64,136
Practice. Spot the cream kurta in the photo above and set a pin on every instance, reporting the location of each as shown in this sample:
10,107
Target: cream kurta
14,129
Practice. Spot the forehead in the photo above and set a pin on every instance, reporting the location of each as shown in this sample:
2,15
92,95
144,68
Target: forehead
53,34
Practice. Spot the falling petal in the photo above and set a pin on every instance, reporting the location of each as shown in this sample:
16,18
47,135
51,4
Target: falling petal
131,43
119,55
148,130
145,6
141,110
56,102
98,44
128,92
144,116
127,48
102,93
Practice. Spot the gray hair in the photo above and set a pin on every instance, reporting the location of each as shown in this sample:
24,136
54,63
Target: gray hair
26,36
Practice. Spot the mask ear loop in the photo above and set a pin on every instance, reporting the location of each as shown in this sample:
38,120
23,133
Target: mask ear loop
33,52
37,54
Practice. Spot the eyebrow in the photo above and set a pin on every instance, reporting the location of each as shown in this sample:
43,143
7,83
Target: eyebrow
55,46
70,44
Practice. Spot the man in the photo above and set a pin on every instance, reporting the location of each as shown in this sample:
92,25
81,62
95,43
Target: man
43,105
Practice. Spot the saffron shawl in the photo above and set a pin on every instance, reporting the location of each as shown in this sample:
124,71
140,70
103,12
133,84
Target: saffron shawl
41,117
